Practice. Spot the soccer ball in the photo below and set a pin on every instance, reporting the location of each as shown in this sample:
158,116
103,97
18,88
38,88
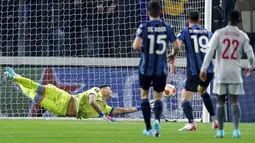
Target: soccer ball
170,91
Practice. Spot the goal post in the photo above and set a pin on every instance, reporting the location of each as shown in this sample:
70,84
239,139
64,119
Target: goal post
208,26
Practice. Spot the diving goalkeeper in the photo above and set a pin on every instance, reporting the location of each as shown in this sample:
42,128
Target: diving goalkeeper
89,104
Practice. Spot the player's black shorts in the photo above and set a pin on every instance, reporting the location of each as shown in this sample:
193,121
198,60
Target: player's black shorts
157,82
192,82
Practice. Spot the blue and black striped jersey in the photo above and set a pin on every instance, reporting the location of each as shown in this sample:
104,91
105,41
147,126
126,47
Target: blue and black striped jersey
156,35
195,39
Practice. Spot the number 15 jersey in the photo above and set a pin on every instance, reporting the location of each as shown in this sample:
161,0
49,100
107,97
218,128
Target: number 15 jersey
195,39
156,35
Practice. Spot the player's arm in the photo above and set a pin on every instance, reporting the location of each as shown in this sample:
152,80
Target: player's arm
175,51
210,52
209,55
94,105
137,44
171,57
250,55
176,46
117,111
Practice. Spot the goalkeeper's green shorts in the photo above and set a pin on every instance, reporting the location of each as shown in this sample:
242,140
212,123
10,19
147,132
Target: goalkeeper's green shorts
55,100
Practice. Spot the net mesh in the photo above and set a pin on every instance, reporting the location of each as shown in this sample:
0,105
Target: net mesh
77,44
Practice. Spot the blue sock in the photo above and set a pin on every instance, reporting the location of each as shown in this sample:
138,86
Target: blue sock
158,108
187,109
208,103
146,110
40,89
37,98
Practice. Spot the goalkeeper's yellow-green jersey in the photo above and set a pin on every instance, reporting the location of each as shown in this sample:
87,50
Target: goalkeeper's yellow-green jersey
84,108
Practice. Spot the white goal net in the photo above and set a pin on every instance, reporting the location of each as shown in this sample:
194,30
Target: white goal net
79,44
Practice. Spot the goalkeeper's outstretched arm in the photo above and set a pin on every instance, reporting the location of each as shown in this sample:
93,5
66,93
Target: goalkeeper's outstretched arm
117,111
94,105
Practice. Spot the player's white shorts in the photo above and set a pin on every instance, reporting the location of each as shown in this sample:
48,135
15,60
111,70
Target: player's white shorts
224,88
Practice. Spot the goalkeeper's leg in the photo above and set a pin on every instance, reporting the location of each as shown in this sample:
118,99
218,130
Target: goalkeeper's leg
57,101
30,93
48,96
44,102
25,82
54,100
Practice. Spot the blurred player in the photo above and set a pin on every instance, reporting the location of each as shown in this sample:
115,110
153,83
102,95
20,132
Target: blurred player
152,38
229,43
195,39
89,104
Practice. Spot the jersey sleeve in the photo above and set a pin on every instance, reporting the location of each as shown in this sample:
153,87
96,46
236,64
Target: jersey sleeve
108,110
213,43
210,34
247,46
181,35
92,91
139,31
171,34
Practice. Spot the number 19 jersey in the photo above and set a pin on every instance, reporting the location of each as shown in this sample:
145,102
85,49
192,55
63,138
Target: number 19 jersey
156,35
195,39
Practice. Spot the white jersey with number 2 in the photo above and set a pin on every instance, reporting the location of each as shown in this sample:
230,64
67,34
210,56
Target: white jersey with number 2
229,43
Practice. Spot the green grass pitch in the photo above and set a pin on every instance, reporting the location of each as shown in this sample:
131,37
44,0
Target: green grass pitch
80,131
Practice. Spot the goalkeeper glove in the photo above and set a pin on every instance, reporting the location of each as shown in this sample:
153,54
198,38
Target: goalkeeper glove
107,118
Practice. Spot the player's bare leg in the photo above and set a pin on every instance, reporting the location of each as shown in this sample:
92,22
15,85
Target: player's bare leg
158,108
220,112
146,110
208,104
236,112
187,109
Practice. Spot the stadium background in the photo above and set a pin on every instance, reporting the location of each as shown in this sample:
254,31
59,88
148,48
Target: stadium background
48,37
